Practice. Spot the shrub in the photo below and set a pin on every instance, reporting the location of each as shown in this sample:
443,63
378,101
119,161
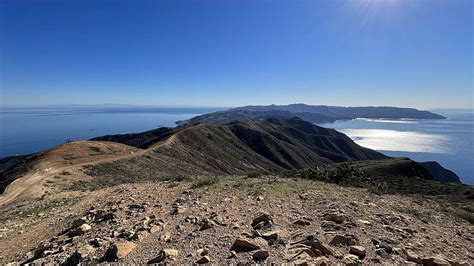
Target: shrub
204,181
343,174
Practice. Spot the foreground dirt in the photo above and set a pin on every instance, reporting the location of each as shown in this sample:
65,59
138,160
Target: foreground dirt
233,220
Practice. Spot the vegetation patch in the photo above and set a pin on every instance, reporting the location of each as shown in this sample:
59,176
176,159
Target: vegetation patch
47,206
413,212
343,174
204,181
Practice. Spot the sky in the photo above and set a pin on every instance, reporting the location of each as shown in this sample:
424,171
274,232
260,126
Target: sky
409,53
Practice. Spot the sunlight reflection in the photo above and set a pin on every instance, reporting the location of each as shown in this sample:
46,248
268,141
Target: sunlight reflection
393,140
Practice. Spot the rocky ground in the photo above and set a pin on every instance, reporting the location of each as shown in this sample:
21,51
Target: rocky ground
234,220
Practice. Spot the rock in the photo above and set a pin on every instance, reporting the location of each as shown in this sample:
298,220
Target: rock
323,261
435,260
165,237
102,216
260,198
178,209
317,244
119,251
155,229
78,222
127,234
335,217
261,255
338,240
350,259
79,255
205,224
203,260
262,217
233,254
357,250
412,256
80,230
140,235
272,235
164,254
330,226
364,222
302,222
202,252
217,219
137,207
242,245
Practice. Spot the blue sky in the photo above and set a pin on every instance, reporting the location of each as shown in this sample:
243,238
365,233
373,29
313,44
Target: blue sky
416,53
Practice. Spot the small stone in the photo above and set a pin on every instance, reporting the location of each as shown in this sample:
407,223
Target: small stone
262,217
164,254
80,230
155,229
78,222
350,259
203,260
205,224
202,252
302,222
338,240
412,256
335,217
272,235
261,255
140,235
119,251
165,237
260,198
357,250
322,261
435,260
96,242
364,222
233,254
242,245
79,255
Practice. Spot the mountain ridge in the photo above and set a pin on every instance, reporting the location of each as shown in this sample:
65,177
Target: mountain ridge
310,113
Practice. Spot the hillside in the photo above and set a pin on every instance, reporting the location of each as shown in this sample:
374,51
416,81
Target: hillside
311,113
263,146
235,219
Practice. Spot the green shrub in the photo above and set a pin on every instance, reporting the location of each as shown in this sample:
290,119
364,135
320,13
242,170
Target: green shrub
204,181
343,174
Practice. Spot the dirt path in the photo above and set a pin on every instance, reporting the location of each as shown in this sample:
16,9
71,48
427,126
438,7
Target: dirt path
31,183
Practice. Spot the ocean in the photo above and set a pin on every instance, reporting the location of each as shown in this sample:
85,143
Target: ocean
449,142
28,130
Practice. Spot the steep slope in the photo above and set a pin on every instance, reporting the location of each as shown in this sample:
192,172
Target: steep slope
310,113
265,145
440,173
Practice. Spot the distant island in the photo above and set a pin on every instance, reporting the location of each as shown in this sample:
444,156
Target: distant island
311,113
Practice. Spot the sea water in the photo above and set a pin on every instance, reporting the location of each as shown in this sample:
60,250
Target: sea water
29,130
449,141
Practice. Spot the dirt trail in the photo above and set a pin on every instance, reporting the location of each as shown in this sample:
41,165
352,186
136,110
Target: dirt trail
31,183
